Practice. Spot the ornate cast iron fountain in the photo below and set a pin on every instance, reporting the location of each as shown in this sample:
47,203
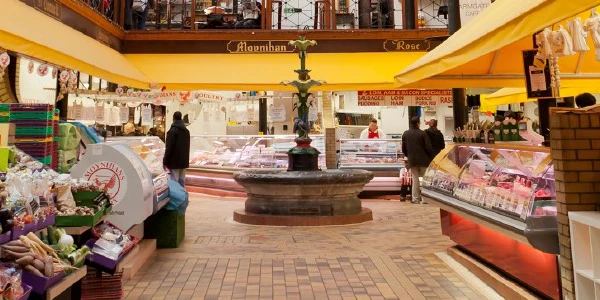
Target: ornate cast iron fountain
303,195
303,157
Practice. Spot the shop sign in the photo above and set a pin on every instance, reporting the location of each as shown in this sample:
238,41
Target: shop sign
49,7
108,176
259,47
469,9
537,76
208,96
407,45
277,113
405,98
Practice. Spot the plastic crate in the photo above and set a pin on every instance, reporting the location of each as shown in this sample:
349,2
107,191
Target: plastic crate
45,160
47,146
4,107
31,123
30,107
167,226
31,115
33,139
38,131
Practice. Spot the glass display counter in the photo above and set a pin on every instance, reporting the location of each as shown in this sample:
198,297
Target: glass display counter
383,157
214,159
498,201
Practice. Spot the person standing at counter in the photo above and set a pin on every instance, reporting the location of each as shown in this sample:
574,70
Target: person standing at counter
417,149
373,132
177,152
435,137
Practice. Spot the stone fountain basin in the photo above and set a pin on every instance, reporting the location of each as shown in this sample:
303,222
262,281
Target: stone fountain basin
303,193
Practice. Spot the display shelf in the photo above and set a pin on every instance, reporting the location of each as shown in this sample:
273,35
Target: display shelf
370,154
66,283
246,151
585,245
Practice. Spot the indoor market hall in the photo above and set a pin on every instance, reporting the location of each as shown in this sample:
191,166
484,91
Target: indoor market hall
299,149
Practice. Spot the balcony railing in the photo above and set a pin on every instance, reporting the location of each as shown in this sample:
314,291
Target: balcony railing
272,14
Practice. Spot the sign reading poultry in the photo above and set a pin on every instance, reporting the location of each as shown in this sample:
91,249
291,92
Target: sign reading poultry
109,176
405,98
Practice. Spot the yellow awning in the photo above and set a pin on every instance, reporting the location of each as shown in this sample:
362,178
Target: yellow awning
29,32
487,52
341,71
519,95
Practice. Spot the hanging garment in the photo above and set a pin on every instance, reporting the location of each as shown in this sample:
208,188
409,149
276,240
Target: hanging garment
578,34
147,115
592,26
123,114
562,44
77,113
100,111
137,115
115,116
543,41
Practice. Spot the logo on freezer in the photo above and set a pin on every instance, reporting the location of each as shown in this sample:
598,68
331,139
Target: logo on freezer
108,176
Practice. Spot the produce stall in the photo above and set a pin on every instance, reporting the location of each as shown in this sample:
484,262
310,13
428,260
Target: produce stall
38,261
498,204
214,159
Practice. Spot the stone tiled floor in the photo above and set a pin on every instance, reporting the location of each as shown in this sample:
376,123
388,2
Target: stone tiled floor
392,257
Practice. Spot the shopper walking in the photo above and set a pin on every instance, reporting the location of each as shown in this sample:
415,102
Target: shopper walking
435,137
372,132
417,149
177,152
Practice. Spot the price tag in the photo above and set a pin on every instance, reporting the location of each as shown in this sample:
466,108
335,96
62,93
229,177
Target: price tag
100,114
34,205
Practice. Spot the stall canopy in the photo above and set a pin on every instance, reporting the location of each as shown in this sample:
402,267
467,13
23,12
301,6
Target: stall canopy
29,32
487,52
519,95
341,71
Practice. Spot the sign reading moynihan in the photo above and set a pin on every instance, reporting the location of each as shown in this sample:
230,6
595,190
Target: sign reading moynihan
259,47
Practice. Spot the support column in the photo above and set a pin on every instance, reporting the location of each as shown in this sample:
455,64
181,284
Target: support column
262,115
410,19
364,14
459,105
544,115
575,140
413,111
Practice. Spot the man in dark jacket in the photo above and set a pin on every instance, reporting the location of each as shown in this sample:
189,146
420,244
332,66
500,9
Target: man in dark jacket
417,149
177,152
435,137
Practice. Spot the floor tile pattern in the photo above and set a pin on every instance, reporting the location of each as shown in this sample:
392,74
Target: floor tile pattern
392,257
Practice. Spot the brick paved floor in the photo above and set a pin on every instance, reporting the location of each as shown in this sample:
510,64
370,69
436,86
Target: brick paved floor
392,257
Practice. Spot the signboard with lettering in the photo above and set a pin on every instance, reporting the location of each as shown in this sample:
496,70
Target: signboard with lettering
407,45
537,76
405,98
49,7
469,9
240,47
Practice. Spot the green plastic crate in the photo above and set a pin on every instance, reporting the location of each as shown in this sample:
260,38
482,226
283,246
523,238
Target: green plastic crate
31,115
45,160
4,119
45,130
76,221
4,107
88,198
167,227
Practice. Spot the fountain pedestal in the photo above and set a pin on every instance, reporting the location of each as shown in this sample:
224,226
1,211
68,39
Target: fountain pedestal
303,198
303,157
